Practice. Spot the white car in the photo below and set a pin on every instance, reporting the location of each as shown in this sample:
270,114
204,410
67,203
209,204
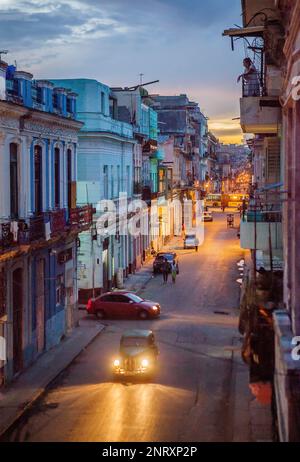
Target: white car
191,241
207,216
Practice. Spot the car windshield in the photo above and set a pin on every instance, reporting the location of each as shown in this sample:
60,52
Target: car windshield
191,236
134,341
135,298
166,256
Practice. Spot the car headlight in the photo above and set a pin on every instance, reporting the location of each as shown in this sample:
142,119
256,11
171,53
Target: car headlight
154,308
116,362
145,363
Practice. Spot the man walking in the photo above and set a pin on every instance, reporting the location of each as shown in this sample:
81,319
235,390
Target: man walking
165,270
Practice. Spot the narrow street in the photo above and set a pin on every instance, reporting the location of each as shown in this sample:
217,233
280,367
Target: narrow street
192,396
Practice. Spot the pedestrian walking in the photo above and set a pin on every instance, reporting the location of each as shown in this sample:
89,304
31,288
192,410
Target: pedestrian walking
174,271
165,270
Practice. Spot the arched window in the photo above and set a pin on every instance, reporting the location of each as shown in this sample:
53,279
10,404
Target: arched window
69,173
14,181
38,179
57,177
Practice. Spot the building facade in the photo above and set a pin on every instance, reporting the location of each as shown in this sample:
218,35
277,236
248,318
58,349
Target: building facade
105,171
39,219
270,228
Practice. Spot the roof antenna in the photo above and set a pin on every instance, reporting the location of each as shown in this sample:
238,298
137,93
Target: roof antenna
3,52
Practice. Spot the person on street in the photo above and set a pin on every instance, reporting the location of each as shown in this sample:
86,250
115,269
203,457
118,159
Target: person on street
165,270
174,271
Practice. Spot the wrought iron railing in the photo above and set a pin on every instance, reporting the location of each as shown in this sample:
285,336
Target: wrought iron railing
81,217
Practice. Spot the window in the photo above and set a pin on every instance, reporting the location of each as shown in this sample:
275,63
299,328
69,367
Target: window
38,176
112,179
121,299
118,179
55,101
59,289
105,181
102,102
14,186
57,177
69,179
128,187
108,298
69,105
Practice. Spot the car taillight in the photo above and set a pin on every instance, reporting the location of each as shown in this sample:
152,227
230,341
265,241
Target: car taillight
89,306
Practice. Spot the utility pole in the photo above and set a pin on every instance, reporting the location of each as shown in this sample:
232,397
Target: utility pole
141,78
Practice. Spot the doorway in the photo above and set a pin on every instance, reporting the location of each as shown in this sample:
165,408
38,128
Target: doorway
17,287
40,304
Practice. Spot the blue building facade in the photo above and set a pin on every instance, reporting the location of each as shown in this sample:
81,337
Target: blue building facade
39,219
105,170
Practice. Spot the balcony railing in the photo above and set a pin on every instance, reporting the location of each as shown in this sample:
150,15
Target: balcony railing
43,227
81,217
253,87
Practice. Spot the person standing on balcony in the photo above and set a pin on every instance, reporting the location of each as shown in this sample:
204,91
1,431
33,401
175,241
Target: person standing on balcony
251,83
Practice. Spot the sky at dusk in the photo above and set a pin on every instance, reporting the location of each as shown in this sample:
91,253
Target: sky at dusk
178,42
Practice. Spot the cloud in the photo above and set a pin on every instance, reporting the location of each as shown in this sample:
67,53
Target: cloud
178,42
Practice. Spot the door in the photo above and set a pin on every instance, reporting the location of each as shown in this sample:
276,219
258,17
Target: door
40,304
124,308
17,287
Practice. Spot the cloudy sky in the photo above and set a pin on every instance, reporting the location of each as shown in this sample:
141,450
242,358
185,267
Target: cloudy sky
178,42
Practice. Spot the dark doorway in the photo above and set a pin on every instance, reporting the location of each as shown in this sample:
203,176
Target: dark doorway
38,182
17,288
14,181
40,304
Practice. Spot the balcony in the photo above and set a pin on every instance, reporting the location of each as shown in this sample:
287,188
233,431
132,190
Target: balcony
96,122
43,227
268,225
260,114
81,218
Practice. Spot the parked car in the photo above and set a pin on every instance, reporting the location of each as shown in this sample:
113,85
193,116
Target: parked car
122,305
137,354
207,216
160,258
191,242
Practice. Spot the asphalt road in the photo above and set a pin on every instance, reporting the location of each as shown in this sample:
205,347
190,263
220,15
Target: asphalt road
191,398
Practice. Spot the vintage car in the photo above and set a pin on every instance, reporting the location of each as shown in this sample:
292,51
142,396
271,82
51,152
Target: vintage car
137,355
161,257
207,216
191,242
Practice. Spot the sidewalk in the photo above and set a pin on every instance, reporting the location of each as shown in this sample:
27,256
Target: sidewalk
252,420
31,384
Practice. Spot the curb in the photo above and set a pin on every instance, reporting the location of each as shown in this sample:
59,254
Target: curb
43,389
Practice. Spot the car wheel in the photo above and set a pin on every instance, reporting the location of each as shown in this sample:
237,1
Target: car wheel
100,314
143,315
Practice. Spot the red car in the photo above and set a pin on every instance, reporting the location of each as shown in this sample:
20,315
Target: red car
122,305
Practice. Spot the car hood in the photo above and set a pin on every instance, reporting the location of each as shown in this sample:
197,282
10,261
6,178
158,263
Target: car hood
149,303
133,351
